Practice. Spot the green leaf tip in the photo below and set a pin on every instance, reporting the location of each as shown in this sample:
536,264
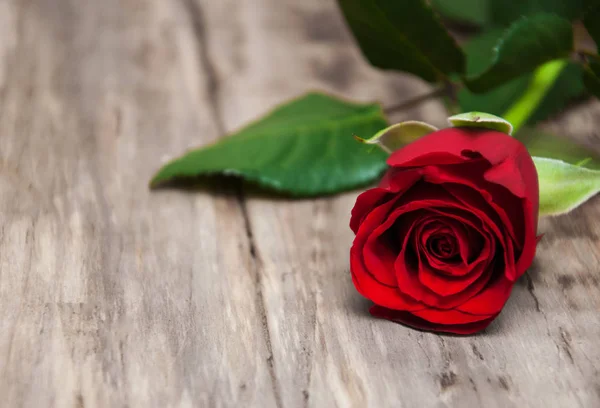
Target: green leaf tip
396,136
481,120
301,148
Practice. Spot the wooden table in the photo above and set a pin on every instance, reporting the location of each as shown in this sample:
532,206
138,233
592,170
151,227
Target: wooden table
112,295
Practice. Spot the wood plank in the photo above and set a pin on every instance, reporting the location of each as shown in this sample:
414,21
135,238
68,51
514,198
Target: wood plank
111,295
327,351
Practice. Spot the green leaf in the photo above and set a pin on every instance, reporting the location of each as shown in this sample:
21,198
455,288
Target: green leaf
591,78
527,44
590,20
564,186
480,54
481,120
569,174
568,86
474,12
499,100
496,101
545,144
405,36
396,136
505,12
480,50
302,148
544,77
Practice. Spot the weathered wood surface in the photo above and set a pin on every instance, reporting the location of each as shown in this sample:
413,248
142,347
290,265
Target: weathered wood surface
113,296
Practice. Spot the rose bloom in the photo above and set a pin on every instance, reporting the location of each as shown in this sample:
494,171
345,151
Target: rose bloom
441,241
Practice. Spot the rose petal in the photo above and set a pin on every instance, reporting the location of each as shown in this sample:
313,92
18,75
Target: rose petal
397,180
410,269
371,199
436,231
445,285
477,205
461,180
469,221
411,320
518,174
408,272
365,203
379,261
479,234
516,169
383,295
379,252
451,316
371,289
407,278
512,166
370,284
456,287
530,245
491,300
502,205
441,267
411,294
438,158
468,246
375,222
513,208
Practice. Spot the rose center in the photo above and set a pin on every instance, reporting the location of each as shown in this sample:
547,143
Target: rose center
442,246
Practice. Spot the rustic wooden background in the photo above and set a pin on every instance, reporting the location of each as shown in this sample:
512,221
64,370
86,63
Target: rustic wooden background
115,296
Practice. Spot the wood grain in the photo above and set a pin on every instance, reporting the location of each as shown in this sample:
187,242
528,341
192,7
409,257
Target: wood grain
113,296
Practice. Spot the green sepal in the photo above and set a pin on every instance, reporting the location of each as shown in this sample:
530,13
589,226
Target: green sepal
396,136
481,120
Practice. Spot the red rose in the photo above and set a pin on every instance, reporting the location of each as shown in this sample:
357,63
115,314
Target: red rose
451,227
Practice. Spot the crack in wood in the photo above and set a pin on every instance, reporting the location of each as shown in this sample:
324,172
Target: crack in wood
531,290
477,352
419,337
247,226
196,14
565,338
260,301
503,381
212,84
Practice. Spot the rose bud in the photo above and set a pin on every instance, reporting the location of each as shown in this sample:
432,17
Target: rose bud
441,241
